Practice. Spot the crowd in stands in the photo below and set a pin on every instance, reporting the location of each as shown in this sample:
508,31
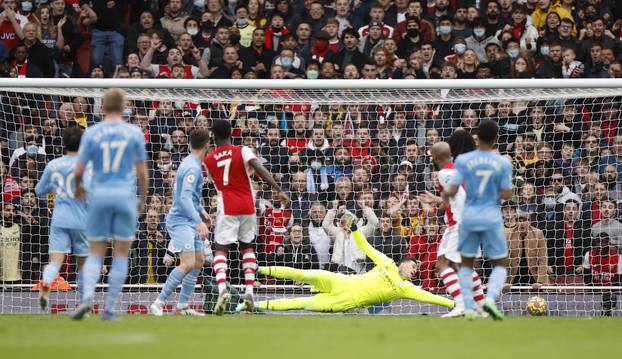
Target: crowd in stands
562,225
285,39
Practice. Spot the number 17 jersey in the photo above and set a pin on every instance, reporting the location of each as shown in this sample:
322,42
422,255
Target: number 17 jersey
113,148
230,170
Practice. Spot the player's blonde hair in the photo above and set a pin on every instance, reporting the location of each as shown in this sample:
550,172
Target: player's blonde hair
113,101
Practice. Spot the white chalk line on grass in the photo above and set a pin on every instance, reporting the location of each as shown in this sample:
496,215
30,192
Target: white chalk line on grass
95,339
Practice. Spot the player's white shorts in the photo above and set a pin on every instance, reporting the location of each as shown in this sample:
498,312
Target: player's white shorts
231,229
449,245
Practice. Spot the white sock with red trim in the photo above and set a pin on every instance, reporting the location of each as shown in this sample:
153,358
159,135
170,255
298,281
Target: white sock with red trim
220,269
450,279
249,267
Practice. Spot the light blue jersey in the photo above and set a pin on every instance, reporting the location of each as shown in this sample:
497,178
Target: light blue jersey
186,206
186,210
69,215
57,178
112,148
484,174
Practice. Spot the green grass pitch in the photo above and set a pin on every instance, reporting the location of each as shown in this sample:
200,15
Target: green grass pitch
319,337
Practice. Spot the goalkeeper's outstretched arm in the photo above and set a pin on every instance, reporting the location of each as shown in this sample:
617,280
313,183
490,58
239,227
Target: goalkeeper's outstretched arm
375,255
413,292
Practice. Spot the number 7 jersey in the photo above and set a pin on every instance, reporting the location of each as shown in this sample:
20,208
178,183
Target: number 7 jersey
484,174
230,170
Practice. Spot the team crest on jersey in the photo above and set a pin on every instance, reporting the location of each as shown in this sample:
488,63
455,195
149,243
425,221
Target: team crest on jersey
188,246
190,179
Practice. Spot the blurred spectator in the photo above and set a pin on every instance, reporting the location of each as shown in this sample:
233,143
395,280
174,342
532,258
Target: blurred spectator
610,176
319,239
148,252
146,22
273,224
388,241
173,59
301,199
12,24
274,155
567,240
423,248
107,33
527,253
347,256
350,53
257,57
21,67
562,192
608,223
296,252
592,205
34,223
602,265
174,18
38,53
10,245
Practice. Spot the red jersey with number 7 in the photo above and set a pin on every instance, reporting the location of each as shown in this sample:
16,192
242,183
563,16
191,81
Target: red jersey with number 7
230,170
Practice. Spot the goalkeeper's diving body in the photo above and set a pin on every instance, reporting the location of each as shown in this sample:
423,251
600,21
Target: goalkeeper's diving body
386,282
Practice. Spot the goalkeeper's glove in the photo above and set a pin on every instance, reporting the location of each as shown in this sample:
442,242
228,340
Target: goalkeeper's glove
351,220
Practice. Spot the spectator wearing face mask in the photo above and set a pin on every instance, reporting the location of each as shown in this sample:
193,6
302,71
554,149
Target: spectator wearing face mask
292,64
444,41
32,148
242,24
480,40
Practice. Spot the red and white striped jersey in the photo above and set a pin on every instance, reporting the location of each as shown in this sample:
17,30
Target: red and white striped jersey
453,213
230,170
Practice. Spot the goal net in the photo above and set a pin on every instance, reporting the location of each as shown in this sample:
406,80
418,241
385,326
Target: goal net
333,145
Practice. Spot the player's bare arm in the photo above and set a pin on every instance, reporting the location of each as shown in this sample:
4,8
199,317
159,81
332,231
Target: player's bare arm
78,181
143,184
265,175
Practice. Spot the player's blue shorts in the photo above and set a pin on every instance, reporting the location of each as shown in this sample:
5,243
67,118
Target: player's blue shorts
185,237
65,240
493,243
111,215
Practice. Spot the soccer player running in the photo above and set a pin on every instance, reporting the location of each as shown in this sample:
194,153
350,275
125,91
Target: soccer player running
117,153
185,224
487,177
229,168
68,218
386,282
448,255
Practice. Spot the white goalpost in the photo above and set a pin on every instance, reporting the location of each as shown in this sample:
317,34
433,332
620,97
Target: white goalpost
344,143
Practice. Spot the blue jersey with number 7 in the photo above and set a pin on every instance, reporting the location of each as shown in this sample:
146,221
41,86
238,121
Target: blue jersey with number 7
113,148
484,174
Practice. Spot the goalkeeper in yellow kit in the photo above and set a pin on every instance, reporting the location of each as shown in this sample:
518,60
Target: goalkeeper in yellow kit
386,282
